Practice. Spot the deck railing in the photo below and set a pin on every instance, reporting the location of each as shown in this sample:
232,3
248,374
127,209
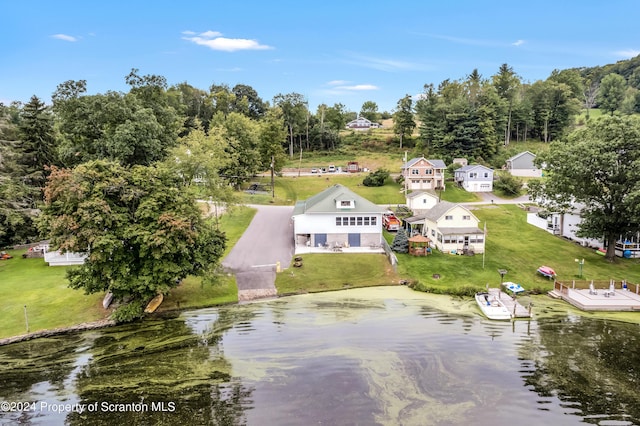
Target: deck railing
563,286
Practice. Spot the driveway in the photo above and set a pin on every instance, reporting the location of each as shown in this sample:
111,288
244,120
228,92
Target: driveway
267,241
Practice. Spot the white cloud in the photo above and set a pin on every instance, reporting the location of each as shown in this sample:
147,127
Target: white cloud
337,83
360,87
213,40
518,43
628,53
64,37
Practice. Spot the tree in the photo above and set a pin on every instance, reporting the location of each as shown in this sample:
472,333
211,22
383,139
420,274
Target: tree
612,90
37,146
294,113
400,242
596,168
369,110
142,232
506,82
376,178
403,122
248,102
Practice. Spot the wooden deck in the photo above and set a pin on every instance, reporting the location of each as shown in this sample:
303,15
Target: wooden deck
578,294
516,309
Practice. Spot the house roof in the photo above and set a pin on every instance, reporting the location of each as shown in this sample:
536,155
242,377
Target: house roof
325,202
438,164
473,166
441,209
414,219
416,194
520,155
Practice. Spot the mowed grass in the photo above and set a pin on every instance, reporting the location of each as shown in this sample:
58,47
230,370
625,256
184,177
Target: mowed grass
52,304
44,290
518,247
336,271
289,189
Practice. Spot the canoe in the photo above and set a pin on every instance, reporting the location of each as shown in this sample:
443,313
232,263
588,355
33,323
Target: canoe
108,298
601,251
491,307
513,287
153,305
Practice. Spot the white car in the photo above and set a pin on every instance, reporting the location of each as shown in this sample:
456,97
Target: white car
332,168
314,170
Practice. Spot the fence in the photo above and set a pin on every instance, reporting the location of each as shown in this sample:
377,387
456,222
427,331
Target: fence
563,286
393,259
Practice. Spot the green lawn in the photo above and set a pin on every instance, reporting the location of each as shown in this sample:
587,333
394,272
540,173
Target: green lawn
518,247
336,271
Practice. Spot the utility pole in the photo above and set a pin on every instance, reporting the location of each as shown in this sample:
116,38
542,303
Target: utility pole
273,189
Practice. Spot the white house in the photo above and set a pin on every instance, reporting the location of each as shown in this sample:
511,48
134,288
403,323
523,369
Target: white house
453,228
422,174
421,201
522,164
475,178
362,123
337,217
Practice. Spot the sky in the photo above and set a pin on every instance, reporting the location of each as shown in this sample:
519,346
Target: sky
329,51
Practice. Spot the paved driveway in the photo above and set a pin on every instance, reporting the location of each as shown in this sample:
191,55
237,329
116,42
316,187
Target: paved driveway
267,240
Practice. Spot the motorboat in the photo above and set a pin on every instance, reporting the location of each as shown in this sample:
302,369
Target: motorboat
491,307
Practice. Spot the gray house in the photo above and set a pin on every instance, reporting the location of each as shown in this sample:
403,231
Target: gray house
522,165
475,178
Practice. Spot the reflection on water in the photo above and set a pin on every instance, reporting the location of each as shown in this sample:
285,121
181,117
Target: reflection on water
383,356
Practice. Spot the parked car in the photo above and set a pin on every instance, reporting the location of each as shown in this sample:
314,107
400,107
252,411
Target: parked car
314,170
332,168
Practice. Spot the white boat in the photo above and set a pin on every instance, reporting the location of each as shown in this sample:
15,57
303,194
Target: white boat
491,307
108,298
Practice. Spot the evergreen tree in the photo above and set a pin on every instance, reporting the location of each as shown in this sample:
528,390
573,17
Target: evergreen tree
400,242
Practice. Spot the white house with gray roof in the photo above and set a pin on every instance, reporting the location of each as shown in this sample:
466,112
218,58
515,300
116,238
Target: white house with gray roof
452,227
421,201
422,174
475,178
337,217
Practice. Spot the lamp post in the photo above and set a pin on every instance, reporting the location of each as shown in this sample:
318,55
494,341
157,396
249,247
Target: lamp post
580,263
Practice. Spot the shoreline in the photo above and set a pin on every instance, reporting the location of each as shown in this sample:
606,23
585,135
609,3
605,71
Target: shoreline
550,307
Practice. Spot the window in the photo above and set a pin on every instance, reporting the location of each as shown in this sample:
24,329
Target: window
415,171
424,201
467,217
366,221
352,221
449,217
486,174
345,203
338,221
473,175
433,232
428,172
359,220
374,221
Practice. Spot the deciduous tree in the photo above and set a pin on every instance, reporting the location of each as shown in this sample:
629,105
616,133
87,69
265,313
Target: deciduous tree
142,232
597,168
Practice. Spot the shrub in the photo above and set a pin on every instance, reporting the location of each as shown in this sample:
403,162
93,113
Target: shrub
508,184
376,178
400,242
128,312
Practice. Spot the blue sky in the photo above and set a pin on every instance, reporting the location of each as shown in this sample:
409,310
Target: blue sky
329,51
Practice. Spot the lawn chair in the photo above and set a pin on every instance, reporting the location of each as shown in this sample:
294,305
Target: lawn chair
592,289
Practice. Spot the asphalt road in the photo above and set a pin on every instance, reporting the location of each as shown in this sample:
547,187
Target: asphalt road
267,240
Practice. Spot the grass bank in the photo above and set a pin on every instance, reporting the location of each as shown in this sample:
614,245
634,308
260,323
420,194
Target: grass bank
52,304
336,271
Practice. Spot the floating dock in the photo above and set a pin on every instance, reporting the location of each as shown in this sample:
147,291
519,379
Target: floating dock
516,309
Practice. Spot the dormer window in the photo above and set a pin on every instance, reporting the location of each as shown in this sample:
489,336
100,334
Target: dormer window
345,204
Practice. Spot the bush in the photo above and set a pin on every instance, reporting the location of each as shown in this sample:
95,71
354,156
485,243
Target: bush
376,178
129,312
508,184
400,242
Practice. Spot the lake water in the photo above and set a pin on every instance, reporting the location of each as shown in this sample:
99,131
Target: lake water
375,356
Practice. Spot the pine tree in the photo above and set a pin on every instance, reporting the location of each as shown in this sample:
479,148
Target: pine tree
400,242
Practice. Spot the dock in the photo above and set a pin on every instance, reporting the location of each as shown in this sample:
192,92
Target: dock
599,295
516,309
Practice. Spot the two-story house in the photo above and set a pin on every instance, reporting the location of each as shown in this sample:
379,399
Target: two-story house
422,174
362,123
475,178
453,228
337,217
